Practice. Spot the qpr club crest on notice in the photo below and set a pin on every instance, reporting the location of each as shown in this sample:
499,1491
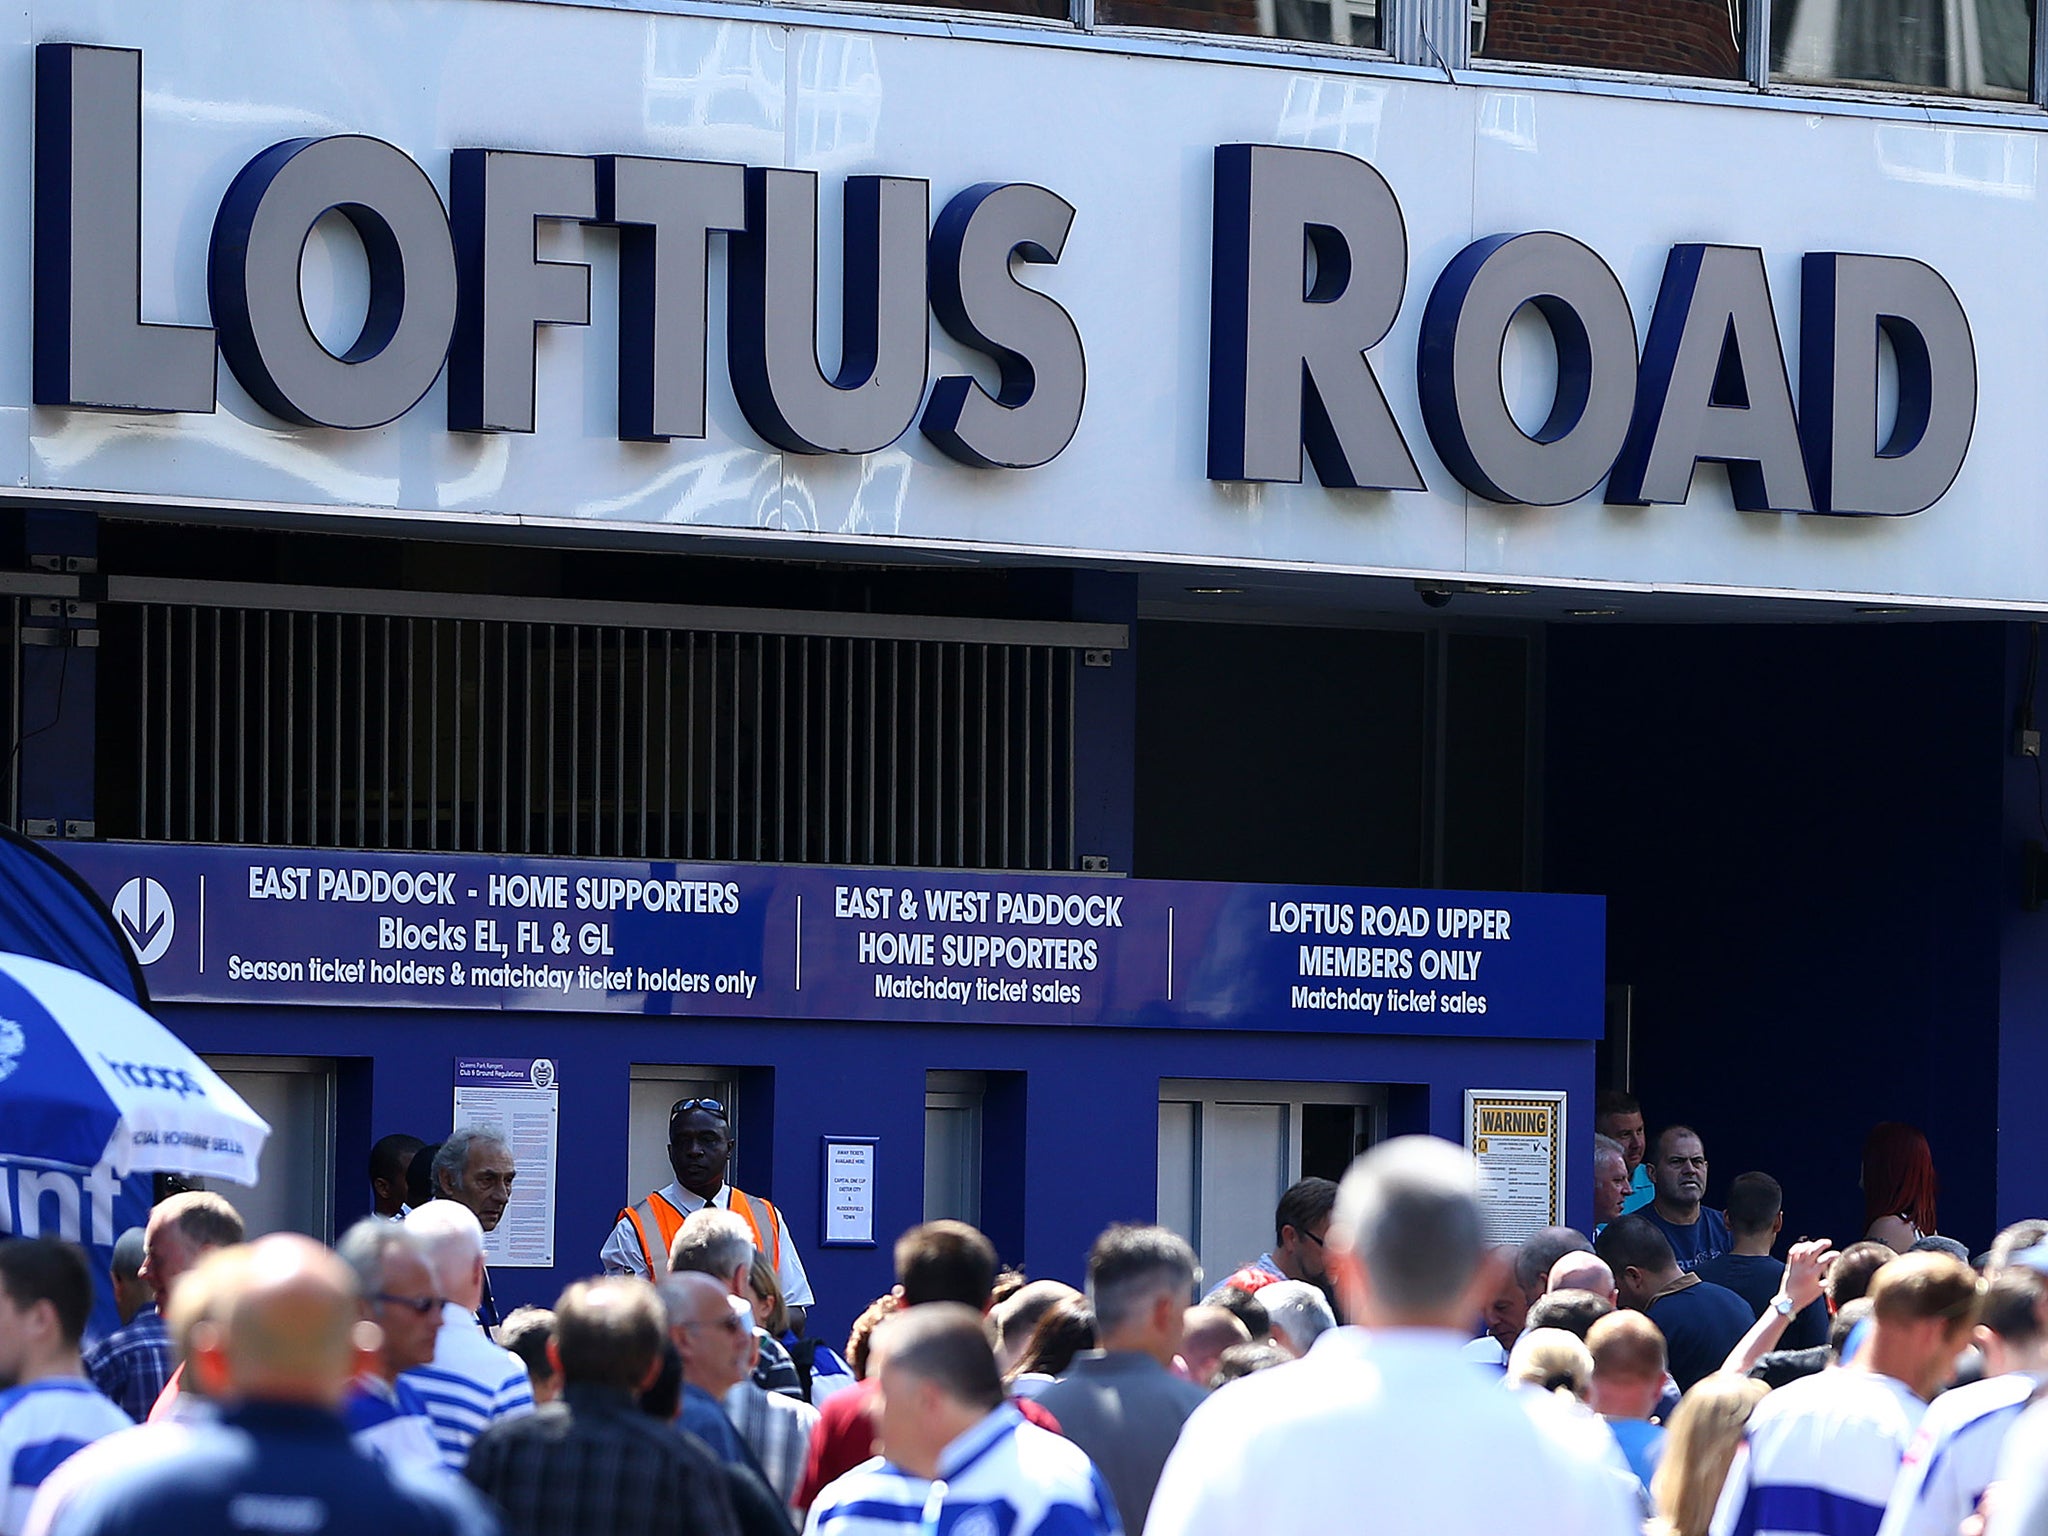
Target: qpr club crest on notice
12,1043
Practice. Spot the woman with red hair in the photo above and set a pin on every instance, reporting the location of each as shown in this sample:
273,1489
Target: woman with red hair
1898,1186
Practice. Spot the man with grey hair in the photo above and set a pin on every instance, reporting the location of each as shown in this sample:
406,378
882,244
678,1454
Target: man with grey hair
1383,1414
1507,1310
132,1364
716,1243
385,1415
1298,1313
710,1334
719,1244
475,1169
1611,1186
470,1384
1122,1403
1535,1259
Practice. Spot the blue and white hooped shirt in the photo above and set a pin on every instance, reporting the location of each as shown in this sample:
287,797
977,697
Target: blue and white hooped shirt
41,1426
1004,1477
1819,1457
1954,1457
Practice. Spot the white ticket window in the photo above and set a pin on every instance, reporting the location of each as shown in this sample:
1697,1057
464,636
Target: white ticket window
1228,1151
294,1189
655,1089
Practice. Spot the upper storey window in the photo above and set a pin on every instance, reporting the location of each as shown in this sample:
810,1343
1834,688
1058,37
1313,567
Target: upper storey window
1965,47
1354,23
1702,38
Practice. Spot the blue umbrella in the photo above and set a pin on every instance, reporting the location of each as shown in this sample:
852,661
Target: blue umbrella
87,1077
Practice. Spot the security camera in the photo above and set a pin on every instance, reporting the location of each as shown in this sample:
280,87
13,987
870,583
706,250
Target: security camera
1433,596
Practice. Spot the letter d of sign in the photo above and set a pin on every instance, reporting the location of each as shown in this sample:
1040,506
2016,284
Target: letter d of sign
1713,386
1036,347
772,313
1287,365
1846,302
253,281
91,346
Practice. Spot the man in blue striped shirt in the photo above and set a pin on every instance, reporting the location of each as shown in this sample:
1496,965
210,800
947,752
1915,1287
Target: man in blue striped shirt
1821,1456
48,1409
956,1456
470,1384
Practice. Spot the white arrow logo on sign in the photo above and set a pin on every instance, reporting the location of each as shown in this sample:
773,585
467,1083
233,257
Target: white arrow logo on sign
143,909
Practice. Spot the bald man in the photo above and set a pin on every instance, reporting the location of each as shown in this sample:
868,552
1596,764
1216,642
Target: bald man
288,1340
1584,1272
1206,1332
1628,1384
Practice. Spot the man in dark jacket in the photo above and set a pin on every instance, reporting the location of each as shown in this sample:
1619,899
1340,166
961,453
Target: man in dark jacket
592,1461
1701,1322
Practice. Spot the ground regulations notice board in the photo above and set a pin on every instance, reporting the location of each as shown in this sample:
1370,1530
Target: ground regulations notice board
221,924
520,1099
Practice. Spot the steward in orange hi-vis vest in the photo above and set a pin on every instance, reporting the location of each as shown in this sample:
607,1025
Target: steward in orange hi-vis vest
700,1144
656,1222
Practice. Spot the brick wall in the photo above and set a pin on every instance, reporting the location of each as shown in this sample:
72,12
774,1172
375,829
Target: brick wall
1677,37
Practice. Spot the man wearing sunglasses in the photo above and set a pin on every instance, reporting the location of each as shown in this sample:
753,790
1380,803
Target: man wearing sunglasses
386,1417
700,1144
716,1340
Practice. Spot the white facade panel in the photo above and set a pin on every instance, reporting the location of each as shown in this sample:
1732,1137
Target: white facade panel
1128,139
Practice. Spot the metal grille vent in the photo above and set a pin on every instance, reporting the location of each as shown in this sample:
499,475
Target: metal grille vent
12,610
491,735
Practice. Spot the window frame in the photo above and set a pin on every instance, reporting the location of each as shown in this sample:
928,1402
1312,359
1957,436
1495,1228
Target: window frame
1420,39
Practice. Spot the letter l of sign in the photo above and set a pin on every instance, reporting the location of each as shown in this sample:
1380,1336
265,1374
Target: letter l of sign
89,344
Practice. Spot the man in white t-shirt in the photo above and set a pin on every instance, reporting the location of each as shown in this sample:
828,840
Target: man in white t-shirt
1822,1454
1383,1416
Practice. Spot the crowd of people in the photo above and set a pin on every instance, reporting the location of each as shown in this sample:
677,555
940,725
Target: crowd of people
1666,1373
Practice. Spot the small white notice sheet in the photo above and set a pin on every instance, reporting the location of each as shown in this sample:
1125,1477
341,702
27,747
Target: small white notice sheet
849,1192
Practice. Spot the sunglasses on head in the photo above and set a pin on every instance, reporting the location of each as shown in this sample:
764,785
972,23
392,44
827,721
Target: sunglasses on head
709,1106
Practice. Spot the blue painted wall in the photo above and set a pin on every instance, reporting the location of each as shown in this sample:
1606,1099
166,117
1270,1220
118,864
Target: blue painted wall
2023,975
1088,1155
1802,834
